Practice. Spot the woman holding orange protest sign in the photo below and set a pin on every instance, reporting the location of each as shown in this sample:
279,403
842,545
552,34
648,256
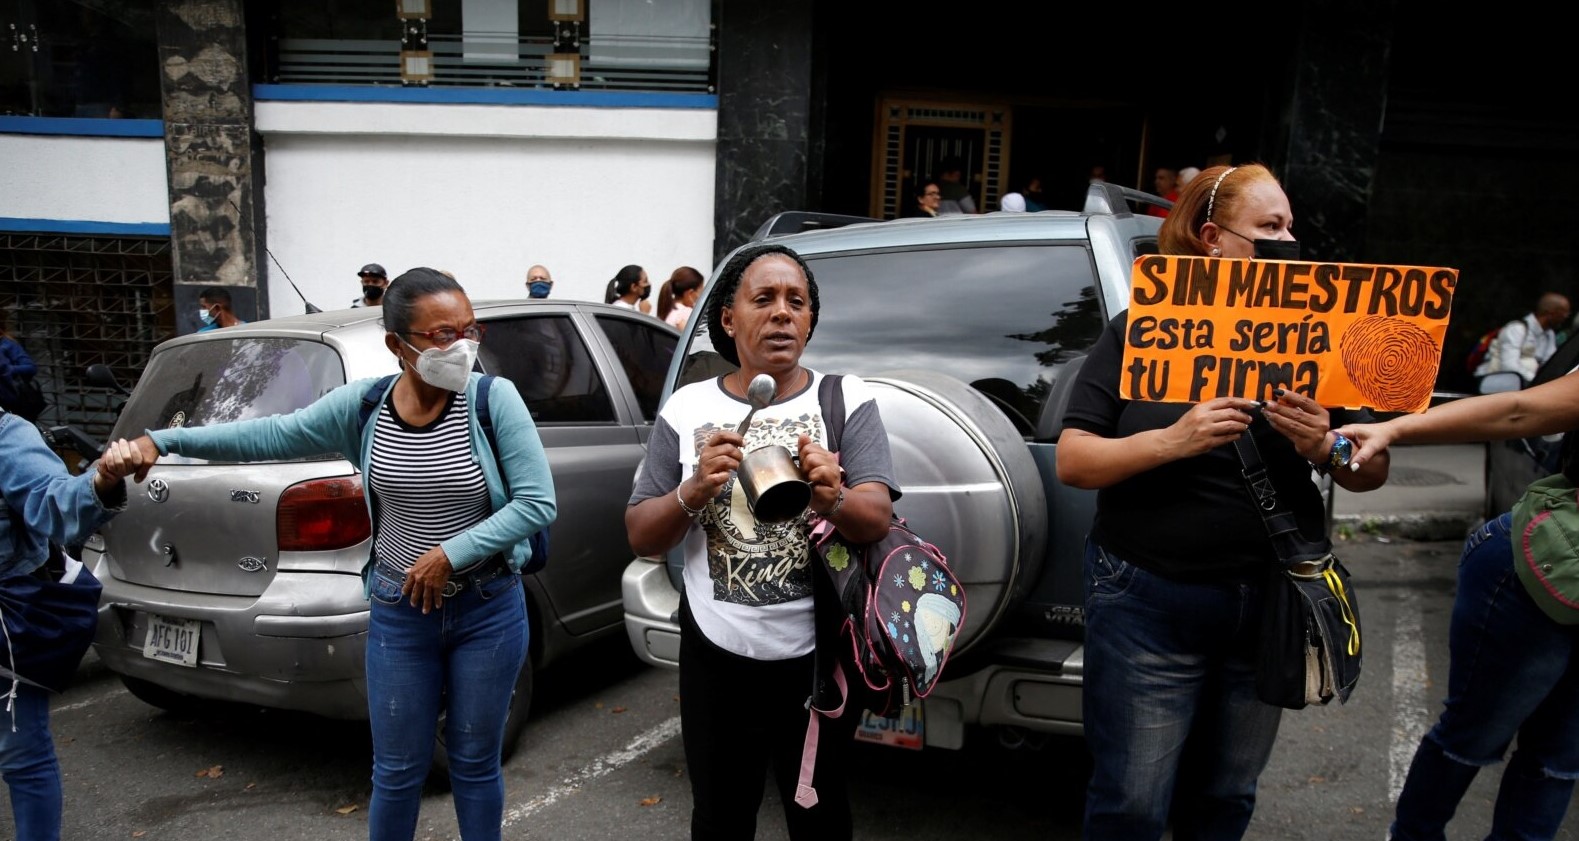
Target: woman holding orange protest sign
1178,553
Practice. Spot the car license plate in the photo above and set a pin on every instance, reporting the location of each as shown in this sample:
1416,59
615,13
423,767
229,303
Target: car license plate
905,729
172,640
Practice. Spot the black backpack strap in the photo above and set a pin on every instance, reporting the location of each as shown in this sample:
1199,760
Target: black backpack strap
485,419
375,393
830,394
538,539
830,691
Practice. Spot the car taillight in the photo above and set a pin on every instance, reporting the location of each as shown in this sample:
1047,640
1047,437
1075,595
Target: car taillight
322,514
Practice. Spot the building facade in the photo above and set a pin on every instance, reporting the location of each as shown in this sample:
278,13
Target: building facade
272,148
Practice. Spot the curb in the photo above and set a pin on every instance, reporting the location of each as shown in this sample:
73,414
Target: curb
1426,525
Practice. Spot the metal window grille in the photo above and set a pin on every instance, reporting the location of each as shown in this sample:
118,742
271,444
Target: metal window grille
74,301
360,62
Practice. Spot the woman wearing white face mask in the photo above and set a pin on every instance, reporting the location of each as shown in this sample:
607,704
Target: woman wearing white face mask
450,521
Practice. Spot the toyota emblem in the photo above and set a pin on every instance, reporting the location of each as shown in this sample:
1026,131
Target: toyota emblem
158,491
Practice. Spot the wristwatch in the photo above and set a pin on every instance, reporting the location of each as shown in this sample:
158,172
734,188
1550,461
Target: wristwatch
1338,458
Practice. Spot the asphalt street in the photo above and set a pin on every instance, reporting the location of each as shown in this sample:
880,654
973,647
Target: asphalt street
602,756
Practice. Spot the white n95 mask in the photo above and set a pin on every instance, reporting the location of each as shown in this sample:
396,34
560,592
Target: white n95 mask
449,368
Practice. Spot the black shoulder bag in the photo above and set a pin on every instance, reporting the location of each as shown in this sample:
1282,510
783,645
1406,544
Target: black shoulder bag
1310,622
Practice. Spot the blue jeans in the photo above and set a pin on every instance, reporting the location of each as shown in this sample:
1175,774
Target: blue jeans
1171,714
464,658
1511,671
27,761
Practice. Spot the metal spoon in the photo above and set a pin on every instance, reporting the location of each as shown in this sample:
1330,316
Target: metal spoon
759,393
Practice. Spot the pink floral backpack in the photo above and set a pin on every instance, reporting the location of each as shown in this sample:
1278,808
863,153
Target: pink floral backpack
891,609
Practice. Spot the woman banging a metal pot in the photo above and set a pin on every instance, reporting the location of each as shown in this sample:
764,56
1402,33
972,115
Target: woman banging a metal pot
747,636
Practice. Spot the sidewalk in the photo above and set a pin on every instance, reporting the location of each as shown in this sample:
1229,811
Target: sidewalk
1433,492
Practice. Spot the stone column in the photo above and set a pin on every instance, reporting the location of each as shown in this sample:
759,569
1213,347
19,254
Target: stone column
766,151
1339,95
215,205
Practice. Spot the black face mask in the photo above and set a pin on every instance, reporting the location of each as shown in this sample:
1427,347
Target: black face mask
372,293
1277,249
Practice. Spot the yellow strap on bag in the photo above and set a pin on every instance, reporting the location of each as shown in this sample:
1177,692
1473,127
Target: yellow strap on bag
1335,584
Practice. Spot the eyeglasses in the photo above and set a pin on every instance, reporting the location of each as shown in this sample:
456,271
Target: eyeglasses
446,336
931,193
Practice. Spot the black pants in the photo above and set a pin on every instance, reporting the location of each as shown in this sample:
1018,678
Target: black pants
738,718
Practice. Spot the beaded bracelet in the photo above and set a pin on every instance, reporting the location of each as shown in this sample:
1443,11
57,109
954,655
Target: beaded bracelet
689,511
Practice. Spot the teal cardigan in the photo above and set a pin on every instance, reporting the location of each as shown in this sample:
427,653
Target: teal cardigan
521,507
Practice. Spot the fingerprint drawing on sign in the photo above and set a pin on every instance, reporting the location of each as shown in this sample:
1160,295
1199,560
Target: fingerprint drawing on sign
1392,363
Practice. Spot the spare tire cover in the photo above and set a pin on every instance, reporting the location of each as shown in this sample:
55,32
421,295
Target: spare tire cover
970,487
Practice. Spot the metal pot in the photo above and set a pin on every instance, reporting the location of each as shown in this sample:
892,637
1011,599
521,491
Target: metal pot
774,488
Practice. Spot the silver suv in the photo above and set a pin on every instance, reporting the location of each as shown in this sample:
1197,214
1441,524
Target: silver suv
971,329
239,582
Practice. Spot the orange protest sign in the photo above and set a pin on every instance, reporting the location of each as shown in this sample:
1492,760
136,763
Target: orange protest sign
1347,335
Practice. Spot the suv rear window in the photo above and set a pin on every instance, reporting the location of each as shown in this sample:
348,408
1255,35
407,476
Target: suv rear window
220,381
1005,318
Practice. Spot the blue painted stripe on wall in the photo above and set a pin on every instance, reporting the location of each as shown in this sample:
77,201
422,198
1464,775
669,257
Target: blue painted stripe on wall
481,96
82,126
73,226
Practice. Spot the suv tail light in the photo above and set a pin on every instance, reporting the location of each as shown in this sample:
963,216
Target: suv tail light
322,514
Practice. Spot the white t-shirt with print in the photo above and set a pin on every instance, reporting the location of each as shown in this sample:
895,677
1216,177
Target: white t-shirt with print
748,584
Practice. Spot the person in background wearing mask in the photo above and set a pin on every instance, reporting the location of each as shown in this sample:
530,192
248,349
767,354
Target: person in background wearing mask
539,282
447,629
374,281
214,309
630,289
644,303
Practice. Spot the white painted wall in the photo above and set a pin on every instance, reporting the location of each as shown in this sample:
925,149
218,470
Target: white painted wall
83,179
483,192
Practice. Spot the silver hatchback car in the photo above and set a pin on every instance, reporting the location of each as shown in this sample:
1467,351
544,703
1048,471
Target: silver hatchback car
240,582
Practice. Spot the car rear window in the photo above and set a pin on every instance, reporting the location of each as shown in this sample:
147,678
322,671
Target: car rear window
224,380
1005,318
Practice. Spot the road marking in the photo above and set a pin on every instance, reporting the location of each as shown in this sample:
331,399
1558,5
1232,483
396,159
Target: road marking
639,747
1410,679
121,690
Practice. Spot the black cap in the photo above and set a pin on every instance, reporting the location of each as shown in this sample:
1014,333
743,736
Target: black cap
373,268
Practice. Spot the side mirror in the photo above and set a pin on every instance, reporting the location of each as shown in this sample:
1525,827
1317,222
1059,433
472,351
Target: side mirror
1501,381
100,375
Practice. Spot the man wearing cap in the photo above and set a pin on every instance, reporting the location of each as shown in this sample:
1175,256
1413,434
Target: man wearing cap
539,282
374,281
